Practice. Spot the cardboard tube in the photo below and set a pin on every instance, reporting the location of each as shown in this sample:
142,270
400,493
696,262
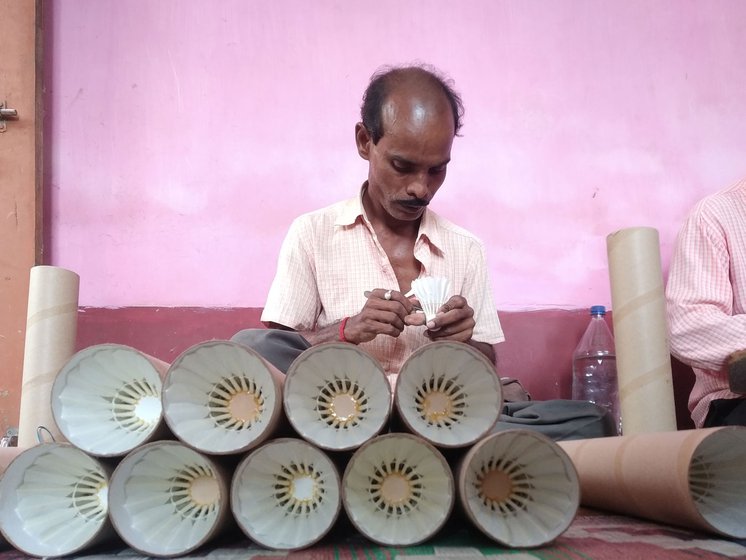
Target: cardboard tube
518,487
640,331
166,499
447,393
51,327
336,396
106,399
690,478
223,398
7,454
54,501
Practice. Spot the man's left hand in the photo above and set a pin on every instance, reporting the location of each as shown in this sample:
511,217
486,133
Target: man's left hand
454,321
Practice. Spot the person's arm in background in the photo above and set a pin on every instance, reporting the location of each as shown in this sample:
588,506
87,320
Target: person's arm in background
703,329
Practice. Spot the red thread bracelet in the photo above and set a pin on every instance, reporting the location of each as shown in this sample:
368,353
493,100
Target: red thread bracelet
342,330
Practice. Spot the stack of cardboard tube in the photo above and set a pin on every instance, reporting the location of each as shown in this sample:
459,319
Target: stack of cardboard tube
166,457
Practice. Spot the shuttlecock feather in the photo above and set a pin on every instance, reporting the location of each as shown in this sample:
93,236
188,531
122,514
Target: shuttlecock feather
432,292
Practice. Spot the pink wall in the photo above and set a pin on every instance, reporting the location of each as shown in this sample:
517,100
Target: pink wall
184,135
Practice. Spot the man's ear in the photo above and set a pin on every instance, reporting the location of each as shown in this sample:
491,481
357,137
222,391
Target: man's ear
363,141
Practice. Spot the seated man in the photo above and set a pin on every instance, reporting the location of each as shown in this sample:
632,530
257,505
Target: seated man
343,270
706,297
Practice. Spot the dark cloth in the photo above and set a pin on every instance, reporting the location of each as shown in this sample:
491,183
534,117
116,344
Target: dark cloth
558,419
513,391
726,412
278,347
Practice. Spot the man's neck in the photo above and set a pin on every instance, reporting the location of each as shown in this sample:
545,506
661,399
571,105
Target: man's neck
384,224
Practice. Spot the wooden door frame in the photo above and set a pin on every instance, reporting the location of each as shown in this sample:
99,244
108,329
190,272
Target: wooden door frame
21,200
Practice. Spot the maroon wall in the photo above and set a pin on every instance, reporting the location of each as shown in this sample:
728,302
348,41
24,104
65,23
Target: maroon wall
537,351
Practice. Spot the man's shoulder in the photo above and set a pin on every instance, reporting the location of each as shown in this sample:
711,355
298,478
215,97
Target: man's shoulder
328,215
724,199
720,212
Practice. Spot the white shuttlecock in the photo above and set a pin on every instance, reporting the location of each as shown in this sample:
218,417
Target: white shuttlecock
398,490
337,396
448,393
432,292
53,501
519,488
106,399
166,499
286,494
221,397
716,481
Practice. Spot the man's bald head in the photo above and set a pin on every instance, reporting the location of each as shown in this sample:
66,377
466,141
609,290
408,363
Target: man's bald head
415,89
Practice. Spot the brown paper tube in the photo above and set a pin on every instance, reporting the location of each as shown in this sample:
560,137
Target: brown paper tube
298,487
166,499
106,399
691,478
54,490
51,327
337,396
640,331
398,489
518,487
220,397
449,394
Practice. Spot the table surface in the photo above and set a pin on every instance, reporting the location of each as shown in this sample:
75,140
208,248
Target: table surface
593,535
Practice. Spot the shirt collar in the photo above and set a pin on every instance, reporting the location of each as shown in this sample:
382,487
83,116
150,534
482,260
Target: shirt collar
352,209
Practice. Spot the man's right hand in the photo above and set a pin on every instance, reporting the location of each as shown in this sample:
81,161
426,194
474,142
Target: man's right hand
385,312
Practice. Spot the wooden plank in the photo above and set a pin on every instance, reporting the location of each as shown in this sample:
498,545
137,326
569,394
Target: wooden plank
20,189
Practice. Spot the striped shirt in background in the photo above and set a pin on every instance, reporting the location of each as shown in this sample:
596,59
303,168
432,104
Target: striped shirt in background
330,257
706,294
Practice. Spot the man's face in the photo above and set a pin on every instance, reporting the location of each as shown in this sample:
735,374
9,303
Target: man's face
408,165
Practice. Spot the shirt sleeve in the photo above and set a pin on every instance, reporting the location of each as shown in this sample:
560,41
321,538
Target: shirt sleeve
293,298
478,293
703,329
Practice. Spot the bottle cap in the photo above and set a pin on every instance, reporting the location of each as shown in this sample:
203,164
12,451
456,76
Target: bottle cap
598,310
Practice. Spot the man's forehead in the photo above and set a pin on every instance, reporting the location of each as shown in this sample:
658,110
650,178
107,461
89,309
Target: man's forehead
415,111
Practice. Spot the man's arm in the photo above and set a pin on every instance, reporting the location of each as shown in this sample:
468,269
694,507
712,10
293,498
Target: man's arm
704,330
487,349
378,316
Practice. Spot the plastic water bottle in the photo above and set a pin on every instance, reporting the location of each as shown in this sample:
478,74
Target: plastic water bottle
594,367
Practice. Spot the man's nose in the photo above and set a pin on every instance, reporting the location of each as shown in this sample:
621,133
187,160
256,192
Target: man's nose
419,186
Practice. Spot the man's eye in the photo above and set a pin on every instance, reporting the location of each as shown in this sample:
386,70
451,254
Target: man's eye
437,170
401,167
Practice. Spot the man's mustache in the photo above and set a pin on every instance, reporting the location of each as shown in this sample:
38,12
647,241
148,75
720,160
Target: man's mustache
416,202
